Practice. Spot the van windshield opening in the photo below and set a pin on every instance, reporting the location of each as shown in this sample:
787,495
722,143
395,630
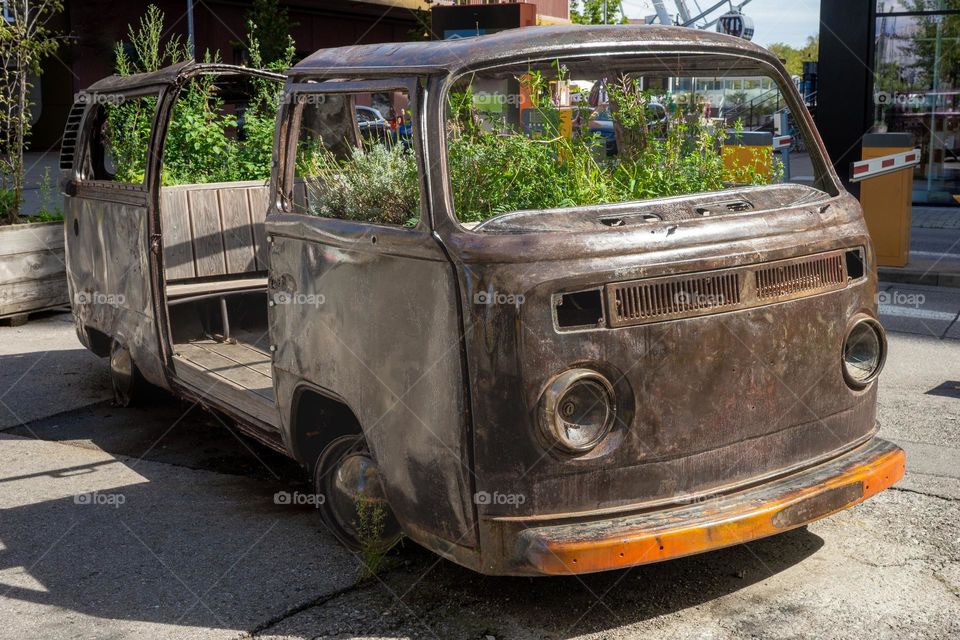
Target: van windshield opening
602,130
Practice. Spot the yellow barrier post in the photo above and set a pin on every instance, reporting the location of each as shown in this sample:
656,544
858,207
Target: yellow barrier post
887,200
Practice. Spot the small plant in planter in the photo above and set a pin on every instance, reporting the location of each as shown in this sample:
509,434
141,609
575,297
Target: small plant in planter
32,273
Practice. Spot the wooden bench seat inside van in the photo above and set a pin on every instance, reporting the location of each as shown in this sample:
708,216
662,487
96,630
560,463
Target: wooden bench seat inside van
213,238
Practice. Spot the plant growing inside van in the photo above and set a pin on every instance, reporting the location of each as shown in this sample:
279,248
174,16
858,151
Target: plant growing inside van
377,183
205,143
496,168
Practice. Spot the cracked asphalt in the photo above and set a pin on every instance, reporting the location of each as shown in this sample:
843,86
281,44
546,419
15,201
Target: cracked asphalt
161,522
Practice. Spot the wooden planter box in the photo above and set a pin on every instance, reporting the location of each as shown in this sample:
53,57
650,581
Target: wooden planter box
33,276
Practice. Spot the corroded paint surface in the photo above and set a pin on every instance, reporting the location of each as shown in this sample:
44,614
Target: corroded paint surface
716,523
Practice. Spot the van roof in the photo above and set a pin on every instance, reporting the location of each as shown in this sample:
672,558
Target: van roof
448,56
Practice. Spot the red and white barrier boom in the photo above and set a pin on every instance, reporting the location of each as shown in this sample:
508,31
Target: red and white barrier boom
782,142
883,165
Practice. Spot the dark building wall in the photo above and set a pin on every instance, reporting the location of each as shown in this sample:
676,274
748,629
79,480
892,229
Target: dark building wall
94,27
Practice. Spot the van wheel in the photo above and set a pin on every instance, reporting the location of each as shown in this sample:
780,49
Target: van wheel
352,502
127,382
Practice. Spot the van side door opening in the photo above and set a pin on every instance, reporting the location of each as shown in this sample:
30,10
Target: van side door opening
213,198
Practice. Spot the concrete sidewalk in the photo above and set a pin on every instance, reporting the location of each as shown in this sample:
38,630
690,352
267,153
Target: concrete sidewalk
934,249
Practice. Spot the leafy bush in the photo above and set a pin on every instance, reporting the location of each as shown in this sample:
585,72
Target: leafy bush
493,172
9,208
50,209
205,143
378,183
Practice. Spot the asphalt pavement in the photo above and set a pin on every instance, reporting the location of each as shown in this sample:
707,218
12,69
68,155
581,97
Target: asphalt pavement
163,522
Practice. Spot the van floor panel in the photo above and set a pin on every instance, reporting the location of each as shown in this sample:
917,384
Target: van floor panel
237,374
240,353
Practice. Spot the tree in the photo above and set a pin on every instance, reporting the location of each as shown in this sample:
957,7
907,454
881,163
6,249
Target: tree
794,58
594,11
25,42
270,26
934,43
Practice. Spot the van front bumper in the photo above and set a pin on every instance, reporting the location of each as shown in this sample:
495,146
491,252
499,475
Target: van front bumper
709,523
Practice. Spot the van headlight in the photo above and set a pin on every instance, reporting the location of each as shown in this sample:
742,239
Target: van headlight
577,410
864,352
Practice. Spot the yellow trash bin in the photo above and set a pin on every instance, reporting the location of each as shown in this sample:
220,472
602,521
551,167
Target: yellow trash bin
887,200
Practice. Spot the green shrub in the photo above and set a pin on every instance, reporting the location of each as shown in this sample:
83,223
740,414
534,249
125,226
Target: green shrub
378,183
8,204
493,172
204,142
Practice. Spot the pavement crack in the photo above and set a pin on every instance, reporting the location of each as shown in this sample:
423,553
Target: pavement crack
924,493
300,608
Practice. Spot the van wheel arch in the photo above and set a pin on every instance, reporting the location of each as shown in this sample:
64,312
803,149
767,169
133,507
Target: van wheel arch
316,420
97,342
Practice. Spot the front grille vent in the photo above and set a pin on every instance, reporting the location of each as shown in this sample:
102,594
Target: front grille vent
661,300
706,293
815,274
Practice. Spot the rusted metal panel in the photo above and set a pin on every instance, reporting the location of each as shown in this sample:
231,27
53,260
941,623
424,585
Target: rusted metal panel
712,523
108,253
452,56
348,346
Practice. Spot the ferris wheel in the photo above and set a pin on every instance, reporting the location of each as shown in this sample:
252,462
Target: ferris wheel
732,22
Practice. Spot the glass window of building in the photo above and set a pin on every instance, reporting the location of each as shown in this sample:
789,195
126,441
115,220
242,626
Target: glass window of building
917,88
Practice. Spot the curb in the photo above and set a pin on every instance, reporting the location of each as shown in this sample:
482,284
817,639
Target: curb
932,279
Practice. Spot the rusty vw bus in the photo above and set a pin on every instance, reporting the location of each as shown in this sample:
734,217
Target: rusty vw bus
534,345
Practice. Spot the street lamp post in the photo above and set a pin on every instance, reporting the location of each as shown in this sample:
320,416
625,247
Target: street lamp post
190,33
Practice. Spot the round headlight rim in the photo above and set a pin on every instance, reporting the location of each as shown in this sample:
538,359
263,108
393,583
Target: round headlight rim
877,328
551,399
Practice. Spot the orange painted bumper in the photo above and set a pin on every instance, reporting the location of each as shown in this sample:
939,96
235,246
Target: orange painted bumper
717,522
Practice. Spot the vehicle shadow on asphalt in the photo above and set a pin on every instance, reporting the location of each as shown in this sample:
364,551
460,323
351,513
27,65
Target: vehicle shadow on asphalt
160,514
200,540
430,597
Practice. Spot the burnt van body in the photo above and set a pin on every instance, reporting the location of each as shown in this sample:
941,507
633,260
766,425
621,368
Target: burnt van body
565,389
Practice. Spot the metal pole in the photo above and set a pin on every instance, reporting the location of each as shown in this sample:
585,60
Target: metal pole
191,42
935,100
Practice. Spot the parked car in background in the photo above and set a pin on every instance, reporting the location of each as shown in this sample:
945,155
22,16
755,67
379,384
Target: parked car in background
372,125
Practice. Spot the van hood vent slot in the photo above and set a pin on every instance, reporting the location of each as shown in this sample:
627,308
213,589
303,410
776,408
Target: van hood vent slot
667,299
786,280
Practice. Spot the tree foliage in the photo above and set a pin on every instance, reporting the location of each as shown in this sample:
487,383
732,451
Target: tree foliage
25,42
592,12
794,58
205,142
269,26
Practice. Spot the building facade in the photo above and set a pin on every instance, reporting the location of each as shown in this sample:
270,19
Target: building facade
893,66
917,87
94,27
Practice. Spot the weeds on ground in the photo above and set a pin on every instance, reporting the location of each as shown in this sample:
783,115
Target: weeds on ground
371,522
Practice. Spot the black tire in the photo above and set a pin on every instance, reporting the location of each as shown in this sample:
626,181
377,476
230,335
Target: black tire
348,487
